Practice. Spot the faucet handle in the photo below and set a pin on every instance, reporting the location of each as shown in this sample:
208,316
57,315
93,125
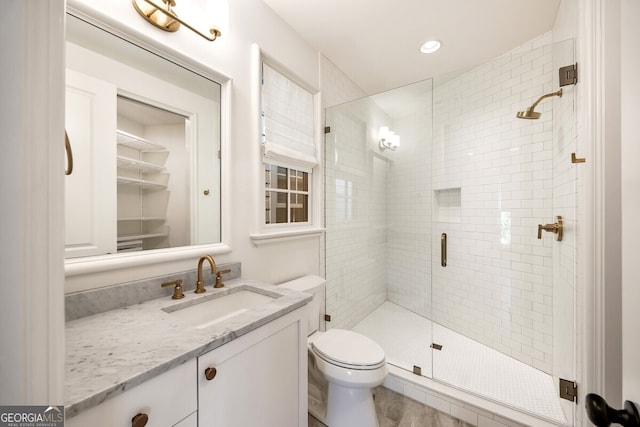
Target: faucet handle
177,291
219,274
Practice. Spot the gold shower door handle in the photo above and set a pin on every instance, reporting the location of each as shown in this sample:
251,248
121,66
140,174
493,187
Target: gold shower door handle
552,228
67,147
443,249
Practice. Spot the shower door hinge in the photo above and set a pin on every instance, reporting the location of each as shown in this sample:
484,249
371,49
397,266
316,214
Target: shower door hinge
417,370
327,318
569,390
327,129
569,75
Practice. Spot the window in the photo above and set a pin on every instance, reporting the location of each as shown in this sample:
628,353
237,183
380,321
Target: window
286,195
288,148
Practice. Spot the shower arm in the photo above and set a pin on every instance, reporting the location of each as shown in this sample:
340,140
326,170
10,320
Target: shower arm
558,93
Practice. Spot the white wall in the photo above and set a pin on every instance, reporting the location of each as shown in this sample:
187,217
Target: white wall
611,207
31,171
251,21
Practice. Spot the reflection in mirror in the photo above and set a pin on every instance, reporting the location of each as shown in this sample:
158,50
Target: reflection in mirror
145,133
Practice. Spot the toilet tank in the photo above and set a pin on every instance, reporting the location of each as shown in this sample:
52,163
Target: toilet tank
315,286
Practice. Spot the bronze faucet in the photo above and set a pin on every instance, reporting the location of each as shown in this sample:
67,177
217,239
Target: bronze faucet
200,284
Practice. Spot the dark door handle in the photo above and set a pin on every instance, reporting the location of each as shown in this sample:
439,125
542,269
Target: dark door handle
603,415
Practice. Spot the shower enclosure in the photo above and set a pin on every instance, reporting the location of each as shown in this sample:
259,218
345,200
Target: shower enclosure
434,194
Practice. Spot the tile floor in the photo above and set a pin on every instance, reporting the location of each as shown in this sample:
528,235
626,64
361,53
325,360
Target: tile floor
396,410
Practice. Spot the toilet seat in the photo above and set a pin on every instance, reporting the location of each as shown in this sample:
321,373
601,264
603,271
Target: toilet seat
349,350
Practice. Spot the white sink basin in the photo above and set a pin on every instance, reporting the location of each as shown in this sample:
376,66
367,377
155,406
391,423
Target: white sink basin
217,309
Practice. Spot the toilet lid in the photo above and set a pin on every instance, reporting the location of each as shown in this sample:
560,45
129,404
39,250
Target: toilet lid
348,349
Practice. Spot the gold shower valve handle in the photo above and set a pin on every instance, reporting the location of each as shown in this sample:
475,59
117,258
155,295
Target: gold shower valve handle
552,228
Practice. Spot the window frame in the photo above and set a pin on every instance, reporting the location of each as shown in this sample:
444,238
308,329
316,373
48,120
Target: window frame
289,192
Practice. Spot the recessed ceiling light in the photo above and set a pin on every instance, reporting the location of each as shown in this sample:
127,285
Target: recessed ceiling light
430,46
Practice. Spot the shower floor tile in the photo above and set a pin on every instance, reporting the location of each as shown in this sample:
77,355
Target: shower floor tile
462,362
404,336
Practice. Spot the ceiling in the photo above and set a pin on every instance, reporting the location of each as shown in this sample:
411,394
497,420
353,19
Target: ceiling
376,42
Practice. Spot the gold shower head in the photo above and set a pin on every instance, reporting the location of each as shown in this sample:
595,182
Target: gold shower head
529,113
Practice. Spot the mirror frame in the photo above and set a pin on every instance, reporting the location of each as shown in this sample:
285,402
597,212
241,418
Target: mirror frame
100,263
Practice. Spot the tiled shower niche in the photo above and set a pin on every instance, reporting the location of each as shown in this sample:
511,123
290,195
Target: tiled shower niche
447,205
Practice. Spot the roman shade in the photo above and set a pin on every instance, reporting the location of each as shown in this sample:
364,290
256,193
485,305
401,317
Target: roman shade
288,137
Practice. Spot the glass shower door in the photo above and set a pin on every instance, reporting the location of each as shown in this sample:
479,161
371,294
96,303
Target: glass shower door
378,205
497,302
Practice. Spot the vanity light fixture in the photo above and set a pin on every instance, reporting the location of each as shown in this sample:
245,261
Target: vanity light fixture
430,47
388,139
161,15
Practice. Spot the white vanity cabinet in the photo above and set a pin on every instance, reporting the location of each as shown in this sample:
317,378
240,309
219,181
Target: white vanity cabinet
168,400
258,379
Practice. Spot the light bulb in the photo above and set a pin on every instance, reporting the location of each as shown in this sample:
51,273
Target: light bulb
430,46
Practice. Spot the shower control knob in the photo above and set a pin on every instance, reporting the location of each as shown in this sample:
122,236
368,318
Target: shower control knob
603,415
555,228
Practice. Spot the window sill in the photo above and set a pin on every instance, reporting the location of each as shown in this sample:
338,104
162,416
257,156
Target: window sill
262,239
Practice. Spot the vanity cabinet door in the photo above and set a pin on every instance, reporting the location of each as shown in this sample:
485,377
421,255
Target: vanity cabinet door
90,190
260,378
190,421
167,400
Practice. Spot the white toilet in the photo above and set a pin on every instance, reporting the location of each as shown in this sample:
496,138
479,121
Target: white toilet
344,366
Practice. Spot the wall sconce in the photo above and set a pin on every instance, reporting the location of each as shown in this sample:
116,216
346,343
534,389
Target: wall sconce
388,139
160,14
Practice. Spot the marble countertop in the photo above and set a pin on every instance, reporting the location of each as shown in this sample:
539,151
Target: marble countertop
111,352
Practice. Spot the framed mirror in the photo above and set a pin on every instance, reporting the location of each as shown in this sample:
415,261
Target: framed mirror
146,135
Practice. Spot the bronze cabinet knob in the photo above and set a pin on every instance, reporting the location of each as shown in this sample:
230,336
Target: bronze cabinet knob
139,420
210,373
